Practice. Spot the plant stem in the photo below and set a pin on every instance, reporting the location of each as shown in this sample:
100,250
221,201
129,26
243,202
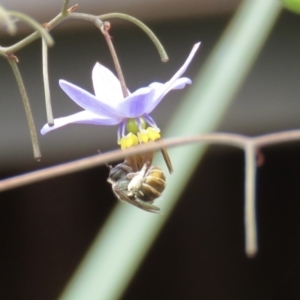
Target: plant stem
10,25
234,140
35,25
104,29
162,53
33,135
46,84
64,10
50,25
250,201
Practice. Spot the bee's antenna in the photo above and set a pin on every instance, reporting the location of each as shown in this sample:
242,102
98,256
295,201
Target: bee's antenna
109,166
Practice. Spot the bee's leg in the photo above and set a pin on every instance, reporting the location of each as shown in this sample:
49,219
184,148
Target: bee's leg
140,173
136,181
129,176
167,160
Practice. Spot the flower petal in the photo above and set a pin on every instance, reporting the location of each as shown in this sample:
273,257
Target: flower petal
184,66
180,83
177,85
107,87
83,117
134,105
174,83
143,100
88,101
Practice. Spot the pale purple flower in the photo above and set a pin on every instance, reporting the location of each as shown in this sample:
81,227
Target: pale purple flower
108,107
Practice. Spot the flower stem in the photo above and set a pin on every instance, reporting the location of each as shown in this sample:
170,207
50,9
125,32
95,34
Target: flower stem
234,140
250,201
105,26
162,53
64,10
33,135
46,84
5,18
50,25
35,25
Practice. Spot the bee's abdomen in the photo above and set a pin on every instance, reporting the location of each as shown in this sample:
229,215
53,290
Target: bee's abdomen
153,185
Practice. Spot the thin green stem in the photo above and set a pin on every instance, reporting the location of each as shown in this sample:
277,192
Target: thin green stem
277,138
50,25
86,17
33,135
162,53
35,25
64,10
10,24
104,158
46,83
250,202
228,139
104,29
29,39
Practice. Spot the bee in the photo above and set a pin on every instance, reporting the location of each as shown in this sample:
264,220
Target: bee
140,188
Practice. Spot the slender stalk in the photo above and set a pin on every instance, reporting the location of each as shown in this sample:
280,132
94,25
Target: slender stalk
10,24
90,162
35,25
64,15
250,202
162,53
104,29
31,38
46,83
64,10
50,25
277,138
33,135
234,140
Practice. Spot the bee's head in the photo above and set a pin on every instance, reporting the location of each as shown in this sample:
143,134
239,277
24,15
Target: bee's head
118,172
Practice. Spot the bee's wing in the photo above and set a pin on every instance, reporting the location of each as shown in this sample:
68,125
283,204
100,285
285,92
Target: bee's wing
138,203
147,206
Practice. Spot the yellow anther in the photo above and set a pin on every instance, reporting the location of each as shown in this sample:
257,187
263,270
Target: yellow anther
153,134
128,141
149,134
143,136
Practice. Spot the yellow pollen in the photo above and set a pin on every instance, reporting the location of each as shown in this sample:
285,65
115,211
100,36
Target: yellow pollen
128,141
149,134
143,136
153,134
